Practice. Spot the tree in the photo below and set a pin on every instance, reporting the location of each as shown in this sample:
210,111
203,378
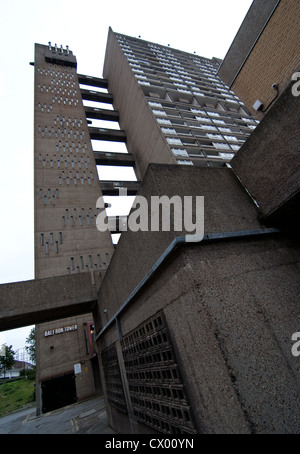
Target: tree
7,360
31,347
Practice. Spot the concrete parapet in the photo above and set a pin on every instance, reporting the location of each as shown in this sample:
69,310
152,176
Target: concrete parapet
268,164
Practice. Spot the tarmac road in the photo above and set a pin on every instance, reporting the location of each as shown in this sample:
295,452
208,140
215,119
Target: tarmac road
88,417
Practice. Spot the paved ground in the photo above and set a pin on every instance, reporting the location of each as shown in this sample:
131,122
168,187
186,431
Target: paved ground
88,417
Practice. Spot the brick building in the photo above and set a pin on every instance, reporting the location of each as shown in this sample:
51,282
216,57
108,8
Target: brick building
264,54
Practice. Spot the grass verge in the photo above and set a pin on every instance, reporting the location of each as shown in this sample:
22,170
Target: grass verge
15,394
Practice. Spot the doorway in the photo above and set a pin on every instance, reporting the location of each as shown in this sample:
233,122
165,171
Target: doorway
58,392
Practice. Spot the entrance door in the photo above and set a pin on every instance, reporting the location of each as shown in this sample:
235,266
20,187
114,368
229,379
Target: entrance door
58,392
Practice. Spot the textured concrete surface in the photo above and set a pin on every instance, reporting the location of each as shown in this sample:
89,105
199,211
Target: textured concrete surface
227,207
36,301
231,308
268,164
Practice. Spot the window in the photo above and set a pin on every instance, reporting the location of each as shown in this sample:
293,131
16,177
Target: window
185,162
231,138
159,112
203,119
179,152
210,128
221,146
173,141
168,131
213,114
214,136
226,155
155,104
163,121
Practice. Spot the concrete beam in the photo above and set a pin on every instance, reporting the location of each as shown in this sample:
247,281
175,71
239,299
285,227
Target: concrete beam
91,95
42,300
92,81
113,159
101,114
113,135
112,187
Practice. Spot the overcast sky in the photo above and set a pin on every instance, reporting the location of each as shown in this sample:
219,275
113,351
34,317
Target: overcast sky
206,27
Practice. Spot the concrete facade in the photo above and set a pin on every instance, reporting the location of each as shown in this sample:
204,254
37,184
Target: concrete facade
66,189
172,105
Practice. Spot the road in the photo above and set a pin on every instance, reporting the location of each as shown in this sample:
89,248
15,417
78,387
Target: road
88,417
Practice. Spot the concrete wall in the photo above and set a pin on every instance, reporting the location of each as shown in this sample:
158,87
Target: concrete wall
268,164
144,137
71,346
227,207
231,309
